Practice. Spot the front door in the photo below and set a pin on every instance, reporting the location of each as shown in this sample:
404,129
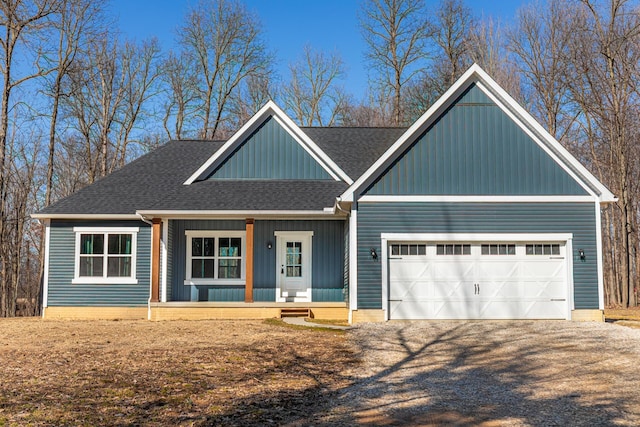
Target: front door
293,267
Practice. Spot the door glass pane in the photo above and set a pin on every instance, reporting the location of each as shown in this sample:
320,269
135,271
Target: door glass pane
294,259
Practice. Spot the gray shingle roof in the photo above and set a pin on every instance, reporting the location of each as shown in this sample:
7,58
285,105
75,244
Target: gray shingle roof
155,180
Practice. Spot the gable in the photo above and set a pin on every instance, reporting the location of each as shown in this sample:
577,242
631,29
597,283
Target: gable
474,148
270,152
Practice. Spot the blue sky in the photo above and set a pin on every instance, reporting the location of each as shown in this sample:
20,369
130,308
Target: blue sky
329,25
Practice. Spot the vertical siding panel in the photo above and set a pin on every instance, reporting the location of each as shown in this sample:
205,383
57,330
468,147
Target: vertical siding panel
475,148
270,153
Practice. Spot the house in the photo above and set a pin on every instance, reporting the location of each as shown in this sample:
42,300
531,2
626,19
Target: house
473,212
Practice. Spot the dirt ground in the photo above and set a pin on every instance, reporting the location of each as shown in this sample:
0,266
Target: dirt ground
55,373
74,373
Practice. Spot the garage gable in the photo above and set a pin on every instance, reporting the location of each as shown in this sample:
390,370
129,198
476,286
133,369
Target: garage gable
476,141
475,148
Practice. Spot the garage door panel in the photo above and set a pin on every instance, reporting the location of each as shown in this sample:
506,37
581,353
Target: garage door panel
478,286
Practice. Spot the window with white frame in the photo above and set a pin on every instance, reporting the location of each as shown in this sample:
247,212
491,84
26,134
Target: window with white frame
215,257
105,255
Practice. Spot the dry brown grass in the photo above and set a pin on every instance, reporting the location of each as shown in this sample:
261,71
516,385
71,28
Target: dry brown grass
169,373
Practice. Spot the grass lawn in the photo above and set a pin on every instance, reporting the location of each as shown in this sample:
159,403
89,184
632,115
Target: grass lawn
167,373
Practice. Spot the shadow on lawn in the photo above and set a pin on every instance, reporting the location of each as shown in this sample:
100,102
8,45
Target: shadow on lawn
452,377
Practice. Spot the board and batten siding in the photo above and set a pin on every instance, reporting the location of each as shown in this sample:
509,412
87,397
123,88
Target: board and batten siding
62,293
474,148
327,252
576,218
270,153
328,249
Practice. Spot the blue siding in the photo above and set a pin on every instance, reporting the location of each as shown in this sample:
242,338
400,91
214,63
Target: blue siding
270,153
576,218
62,263
328,251
474,148
182,292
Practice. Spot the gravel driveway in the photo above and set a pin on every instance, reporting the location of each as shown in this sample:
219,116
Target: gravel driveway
494,373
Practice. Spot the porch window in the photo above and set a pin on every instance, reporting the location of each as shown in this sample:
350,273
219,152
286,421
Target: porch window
215,257
105,255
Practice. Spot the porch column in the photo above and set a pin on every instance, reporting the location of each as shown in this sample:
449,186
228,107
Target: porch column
155,260
248,289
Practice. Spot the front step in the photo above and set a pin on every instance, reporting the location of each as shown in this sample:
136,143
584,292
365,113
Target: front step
296,312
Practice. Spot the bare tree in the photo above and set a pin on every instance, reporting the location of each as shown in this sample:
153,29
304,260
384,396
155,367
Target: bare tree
312,95
22,24
182,93
540,41
605,53
226,41
396,33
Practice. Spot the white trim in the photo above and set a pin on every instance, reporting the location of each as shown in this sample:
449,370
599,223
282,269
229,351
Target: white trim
477,237
307,259
567,238
476,74
110,230
599,255
353,260
105,280
271,109
257,214
570,291
217,234
45,275
165,256
85,216
479,199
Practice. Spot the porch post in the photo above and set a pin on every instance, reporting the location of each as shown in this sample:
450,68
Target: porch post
155,260
248,289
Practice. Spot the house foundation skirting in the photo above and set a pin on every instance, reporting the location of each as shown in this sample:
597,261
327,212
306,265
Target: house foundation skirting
95,313
587,315
257,310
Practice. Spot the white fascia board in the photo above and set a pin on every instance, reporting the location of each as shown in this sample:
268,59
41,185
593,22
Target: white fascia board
477,199
271,109
494,88
419,125
495,92
291,214
477,237
86,216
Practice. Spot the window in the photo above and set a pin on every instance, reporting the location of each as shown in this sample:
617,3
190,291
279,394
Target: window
543,249
453,249
215,257
498,249
408,249
105,255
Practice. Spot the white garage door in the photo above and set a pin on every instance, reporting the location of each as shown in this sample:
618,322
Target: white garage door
459,280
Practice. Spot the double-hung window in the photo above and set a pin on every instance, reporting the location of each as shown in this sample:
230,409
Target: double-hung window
215,257
105,255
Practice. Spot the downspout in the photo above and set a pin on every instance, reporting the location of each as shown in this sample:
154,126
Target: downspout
146,221
348,214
